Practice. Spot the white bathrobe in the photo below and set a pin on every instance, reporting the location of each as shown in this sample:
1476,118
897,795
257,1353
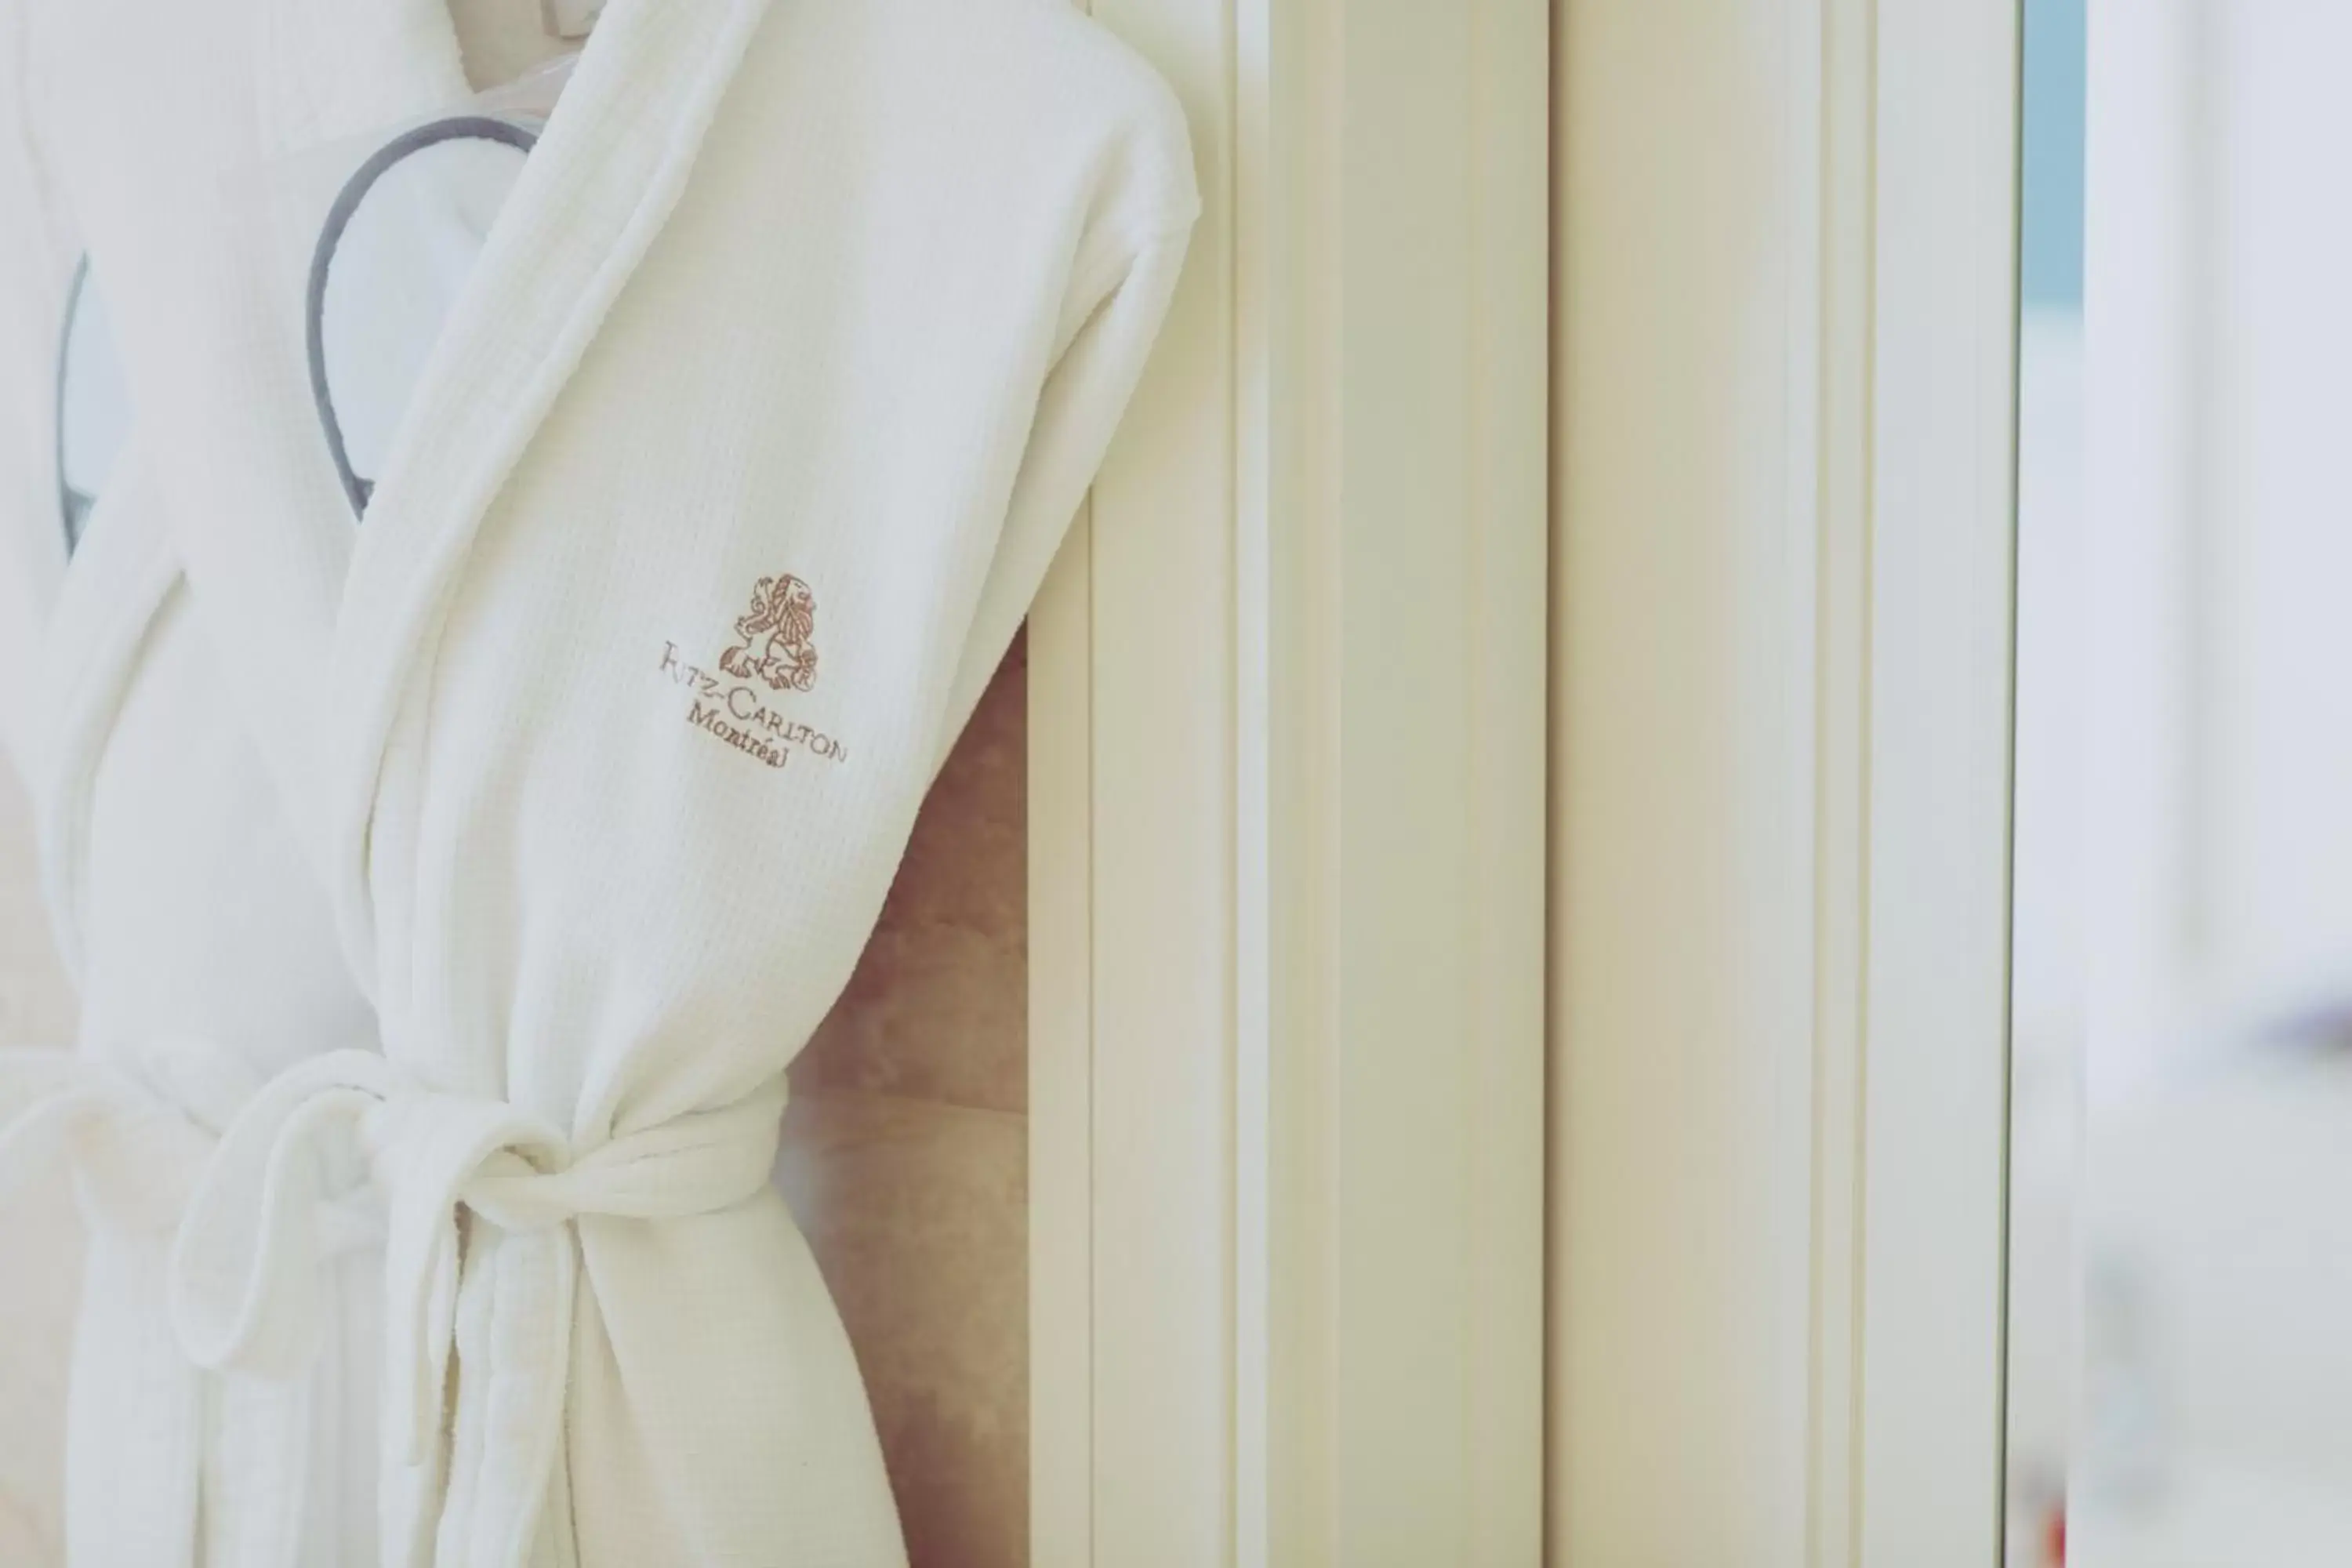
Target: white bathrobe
780,377
201,942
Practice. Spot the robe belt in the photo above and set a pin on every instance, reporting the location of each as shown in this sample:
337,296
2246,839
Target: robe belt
246,1279
139,1138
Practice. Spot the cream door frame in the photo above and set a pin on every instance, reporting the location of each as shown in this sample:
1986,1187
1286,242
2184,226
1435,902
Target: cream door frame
1287,827
1781,899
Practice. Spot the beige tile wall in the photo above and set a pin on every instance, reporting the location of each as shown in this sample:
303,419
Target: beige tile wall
905,1155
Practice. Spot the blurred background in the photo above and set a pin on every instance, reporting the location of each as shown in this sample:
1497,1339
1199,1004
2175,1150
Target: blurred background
2048,1025
2181,1278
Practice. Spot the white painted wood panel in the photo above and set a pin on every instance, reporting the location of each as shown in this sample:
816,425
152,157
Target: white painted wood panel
1297,867
1780,780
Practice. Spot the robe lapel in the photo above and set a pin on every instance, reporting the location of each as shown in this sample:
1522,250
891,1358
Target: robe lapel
90,650
597,190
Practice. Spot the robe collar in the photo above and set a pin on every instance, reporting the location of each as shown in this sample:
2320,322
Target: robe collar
599,186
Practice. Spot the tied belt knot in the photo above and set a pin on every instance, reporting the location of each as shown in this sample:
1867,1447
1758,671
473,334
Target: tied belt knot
139,1129
137,1132
247,1286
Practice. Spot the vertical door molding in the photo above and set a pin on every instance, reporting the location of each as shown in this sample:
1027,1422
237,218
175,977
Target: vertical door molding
1785,404
1287,826
1408,282
1935,1106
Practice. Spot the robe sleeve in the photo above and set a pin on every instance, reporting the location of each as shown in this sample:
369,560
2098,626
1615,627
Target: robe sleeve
1107,333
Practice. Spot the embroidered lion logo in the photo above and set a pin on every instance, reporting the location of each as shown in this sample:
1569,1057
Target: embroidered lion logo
776,645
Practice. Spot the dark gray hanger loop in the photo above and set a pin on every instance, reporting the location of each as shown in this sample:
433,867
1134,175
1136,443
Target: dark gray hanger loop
461,128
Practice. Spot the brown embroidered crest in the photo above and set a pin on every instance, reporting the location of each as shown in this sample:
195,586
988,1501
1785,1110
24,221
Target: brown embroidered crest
778,636
775,647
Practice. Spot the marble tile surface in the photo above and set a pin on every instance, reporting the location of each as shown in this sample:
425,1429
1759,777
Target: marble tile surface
906,1153
938,1008
918,1214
